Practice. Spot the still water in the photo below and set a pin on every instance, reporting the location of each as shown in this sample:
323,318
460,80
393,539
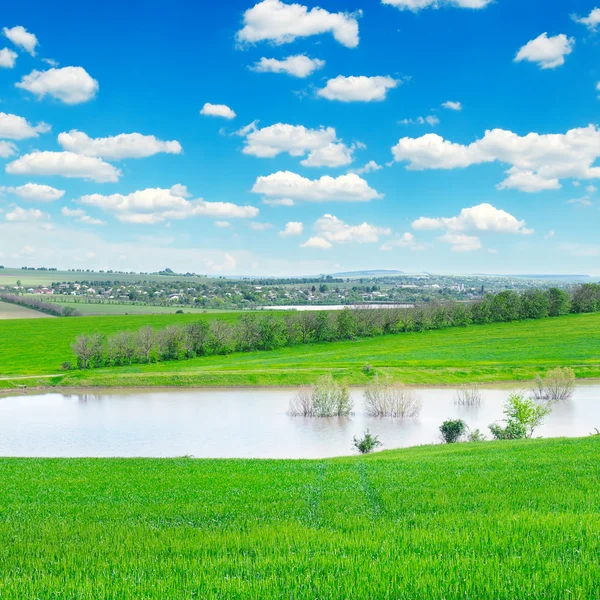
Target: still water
242,423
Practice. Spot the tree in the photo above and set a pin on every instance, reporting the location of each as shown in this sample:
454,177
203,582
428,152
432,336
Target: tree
346,324
522,416
586,298
535,304
559,302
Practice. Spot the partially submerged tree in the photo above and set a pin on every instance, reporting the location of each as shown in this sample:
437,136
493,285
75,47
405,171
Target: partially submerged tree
558,384
522,417
387,398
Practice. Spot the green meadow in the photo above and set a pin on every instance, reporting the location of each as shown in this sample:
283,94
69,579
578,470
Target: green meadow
482,353
478,521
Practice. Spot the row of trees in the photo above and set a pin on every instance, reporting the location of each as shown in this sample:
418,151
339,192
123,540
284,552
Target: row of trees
254,331
39,305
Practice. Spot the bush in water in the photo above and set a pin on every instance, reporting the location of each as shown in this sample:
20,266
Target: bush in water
468,395
387,398
367,444
523,416
559,384
326,399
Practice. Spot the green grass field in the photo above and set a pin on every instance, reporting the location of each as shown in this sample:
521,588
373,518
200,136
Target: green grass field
483,353
488,521
14,311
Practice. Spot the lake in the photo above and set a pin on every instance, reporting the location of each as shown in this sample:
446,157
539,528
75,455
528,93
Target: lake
242,423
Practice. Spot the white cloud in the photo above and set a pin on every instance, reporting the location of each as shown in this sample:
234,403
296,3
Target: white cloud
292,228
70,85
370,167
333,229
317,242
591,21
65,164
124,145
272,20
217,110
550,235
345,188
537,161
358,89
483,217
35,192
451,105
406,240
585,202
22,38
429,120
81,216
155,205
22,215
591,189
278,202
7,58
228,263
7,149
322,145
260,226
298,65
460,242
13,127
222,224
180,190
548,53
416,5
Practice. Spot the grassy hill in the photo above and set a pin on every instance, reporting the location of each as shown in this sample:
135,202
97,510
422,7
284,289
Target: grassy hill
496,352
487,521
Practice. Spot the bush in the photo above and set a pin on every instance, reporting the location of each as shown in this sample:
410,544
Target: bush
476,436
559,384
367,444
326,399
523,416
453,430
385,398
468,395
66,366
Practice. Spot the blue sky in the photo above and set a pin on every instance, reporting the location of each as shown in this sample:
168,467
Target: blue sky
182,134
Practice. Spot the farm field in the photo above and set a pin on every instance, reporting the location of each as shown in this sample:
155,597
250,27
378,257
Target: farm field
13,311
485,521
93,308
482,353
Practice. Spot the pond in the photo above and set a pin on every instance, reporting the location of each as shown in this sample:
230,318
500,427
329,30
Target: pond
242,423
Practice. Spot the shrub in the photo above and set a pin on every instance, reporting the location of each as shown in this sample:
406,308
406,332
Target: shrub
453,430
66,366
368,370
559,384
367,444
385,398
523,416
468,395
476,436
326,399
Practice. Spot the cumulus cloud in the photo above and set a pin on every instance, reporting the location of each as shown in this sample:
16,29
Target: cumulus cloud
358,89
35,192
317,242
332,229
22,215
298,65
406,240
416,5
278,201
70,85
21,38
229,263
222,224
483,217
7,149
547,52
451,105
345,188
7,58
217,110
124,145
155,205
272,20
81,216
461,243
537,161
260,226
322,145
370,167
65,164
591,21
292,228
13,127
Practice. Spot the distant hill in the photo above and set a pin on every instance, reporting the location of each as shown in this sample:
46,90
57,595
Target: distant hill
547,277
374,273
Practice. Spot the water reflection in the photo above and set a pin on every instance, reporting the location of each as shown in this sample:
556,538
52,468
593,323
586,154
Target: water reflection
242,423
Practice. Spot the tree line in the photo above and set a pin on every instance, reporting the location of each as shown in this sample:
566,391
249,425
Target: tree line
253,331
41,306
